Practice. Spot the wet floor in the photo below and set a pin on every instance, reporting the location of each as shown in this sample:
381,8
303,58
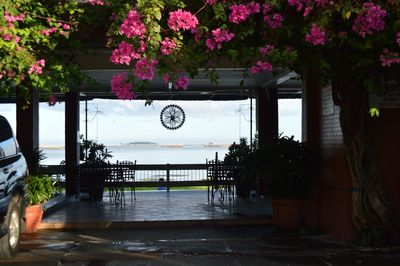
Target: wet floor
245,245
157,206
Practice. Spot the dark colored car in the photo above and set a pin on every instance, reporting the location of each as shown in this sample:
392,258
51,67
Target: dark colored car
13,170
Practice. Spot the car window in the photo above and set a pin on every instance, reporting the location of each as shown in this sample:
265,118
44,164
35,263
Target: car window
8,146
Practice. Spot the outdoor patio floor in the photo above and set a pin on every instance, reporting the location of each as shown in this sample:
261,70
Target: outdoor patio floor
153,208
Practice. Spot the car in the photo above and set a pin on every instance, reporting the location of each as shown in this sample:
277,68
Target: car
13,170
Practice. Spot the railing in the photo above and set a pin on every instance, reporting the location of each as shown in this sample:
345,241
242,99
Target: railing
156,175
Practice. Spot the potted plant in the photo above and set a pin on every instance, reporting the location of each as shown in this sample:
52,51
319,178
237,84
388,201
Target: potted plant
239,155
285,168
38,189
93,171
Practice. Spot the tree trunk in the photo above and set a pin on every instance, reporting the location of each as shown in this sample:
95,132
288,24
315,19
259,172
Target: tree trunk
371,210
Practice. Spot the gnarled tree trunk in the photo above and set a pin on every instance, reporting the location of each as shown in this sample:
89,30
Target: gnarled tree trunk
371,210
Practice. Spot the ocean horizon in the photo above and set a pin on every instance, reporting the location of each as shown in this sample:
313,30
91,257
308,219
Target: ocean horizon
148,154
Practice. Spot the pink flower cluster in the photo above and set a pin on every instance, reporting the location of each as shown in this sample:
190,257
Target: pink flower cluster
168,46
218,37
306,6
398,38
266,49
389,58
370,19
240,13
261,66
11,19
52,100
9,74
47,32
121,88
133,25
61,27
182,20
210,2
316,36
144,69
37,67
2,74
124,54
274,20
96,2
181,82
8,37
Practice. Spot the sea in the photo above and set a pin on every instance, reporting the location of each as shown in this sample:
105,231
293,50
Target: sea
149,154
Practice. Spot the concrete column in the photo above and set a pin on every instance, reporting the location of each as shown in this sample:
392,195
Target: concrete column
28,127
311,133
267,114
72,143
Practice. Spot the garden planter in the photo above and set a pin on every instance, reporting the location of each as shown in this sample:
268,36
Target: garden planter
34,214
287,212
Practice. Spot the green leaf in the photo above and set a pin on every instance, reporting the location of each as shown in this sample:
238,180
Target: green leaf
373,111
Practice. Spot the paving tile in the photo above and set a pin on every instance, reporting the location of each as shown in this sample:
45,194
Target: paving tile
159,206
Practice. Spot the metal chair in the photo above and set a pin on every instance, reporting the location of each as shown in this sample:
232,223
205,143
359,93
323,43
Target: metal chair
221,182
128,172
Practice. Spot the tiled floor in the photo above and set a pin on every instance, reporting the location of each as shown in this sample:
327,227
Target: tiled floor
160,206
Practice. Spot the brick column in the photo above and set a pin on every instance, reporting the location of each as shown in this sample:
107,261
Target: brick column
72,142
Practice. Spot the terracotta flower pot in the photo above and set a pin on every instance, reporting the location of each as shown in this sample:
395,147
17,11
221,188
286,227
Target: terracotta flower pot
287,212
34,214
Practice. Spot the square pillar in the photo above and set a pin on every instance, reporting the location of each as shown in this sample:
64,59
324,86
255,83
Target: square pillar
72,146
311,134
267,114
28,127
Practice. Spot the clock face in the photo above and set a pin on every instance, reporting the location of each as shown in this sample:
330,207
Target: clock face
172,117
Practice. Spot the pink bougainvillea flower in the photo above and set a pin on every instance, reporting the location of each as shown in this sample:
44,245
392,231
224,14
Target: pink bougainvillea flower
168,46
239,13
261,66
307,11
266,49
7,37
197,35
96,2
316,35
11,19
144,69
37,67
218,37
253,7
370,19
166,78
66,27
211,44
121,88
52,100
210,2
388,58
133,25
181,82
398,38
182,20
124,54
274,21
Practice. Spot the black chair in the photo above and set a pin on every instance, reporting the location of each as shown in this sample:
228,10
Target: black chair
220,182
128,173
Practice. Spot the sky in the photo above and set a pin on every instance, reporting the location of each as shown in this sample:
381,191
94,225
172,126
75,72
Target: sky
114,122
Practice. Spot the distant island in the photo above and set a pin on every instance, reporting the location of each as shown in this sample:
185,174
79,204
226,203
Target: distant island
148,144
140,143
